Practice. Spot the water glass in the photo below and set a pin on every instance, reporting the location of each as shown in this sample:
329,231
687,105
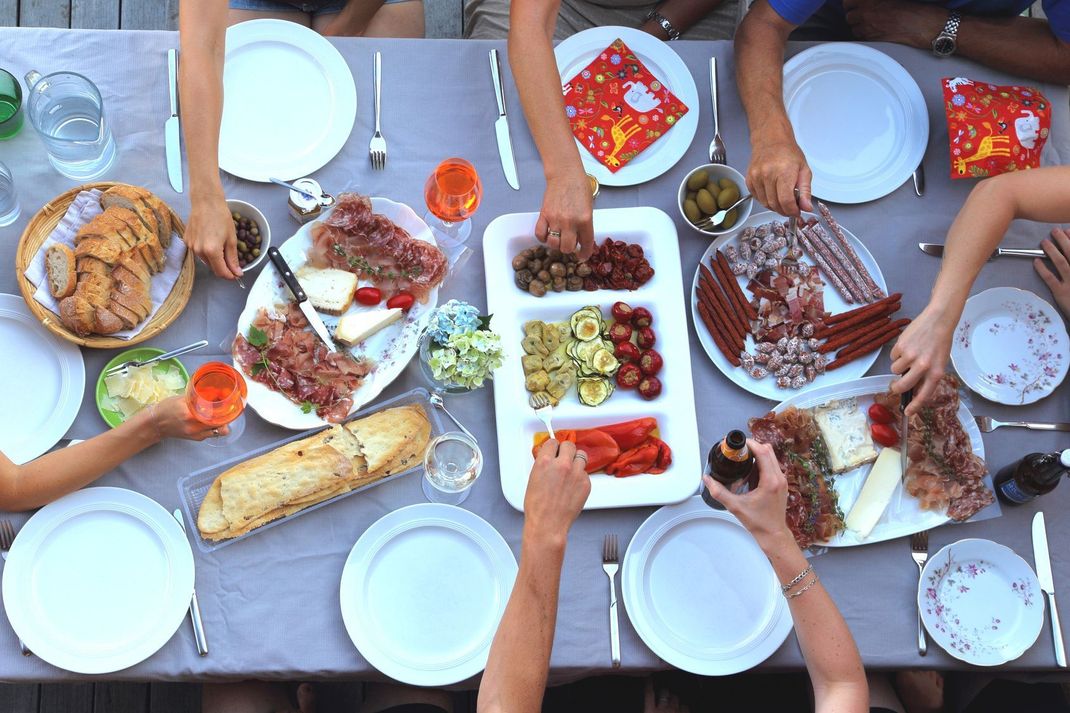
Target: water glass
67,111
452,464
9,200
10,105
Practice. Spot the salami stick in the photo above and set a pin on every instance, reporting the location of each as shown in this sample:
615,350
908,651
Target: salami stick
874,345
718,337
837,318
716,303
819,258
725,299
864,345
871,286
728,282
854,334
863,317
849,269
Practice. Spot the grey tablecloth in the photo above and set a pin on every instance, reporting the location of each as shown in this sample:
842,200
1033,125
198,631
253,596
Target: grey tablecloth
270,603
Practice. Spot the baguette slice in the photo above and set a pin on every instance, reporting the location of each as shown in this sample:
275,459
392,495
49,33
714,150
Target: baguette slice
123,276
94,288
134,299
105,321
104,249
93,265
77,315
129,218
330,291
163,216
127,317
131,197
131,262
60,267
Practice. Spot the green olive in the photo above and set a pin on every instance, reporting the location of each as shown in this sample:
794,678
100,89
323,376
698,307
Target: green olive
690,196
692,211
727,197
706,202
726,183
698,179
729,219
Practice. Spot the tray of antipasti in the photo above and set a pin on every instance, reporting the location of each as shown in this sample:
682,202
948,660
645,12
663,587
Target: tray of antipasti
605,342
371,270
840,447
278,482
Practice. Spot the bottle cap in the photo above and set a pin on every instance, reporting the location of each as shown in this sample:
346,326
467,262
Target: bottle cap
1064,458
737,440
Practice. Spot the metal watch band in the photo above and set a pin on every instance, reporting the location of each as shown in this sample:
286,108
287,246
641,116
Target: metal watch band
946,42
951,28
671,31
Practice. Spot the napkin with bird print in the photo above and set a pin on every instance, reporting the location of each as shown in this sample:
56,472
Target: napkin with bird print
617,108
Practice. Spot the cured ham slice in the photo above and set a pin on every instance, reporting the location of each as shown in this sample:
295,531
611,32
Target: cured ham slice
355,238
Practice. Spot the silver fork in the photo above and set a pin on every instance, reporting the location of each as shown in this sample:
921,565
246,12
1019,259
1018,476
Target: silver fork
377,147
987,424
7,538
134,363
919,550
717,149
541,403
610,564
717,218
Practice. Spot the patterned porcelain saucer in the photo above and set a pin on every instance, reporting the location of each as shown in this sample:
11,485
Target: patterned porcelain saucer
981,602
1010,346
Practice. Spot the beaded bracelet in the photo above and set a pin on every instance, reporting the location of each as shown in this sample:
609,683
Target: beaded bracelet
803,590
785,588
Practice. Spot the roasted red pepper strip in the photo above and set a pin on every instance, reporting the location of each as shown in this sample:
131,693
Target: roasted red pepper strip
664,457
635,461
630,434
600,448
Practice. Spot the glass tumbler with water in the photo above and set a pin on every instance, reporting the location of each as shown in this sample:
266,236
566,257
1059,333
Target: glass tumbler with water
9,200
67,111
452,464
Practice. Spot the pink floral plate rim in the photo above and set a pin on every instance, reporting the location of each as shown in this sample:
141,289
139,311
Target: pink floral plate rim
981,602
1026,373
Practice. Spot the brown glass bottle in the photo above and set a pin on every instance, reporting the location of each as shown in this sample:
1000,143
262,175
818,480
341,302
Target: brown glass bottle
731,464
1035,475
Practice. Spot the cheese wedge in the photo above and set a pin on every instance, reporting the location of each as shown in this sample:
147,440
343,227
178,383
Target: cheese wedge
846,432
876,493
355,328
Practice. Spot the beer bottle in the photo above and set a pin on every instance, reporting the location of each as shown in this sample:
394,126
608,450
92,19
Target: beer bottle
1036,474
731,464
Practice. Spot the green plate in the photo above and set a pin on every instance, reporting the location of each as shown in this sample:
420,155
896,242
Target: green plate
114,418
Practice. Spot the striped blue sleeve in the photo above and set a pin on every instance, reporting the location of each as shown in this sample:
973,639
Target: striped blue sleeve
799,11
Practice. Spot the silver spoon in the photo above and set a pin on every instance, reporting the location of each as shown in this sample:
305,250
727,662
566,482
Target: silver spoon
437,402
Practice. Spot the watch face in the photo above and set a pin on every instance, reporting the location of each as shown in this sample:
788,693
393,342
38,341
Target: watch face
943,46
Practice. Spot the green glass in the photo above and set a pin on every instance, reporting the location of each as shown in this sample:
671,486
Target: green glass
10,105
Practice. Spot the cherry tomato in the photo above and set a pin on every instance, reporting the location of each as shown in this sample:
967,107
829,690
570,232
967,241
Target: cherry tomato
650,387
641,317
620,332
650,362
369,296
622,311
646,338
629,376
626,351
881,414
402,300
884,435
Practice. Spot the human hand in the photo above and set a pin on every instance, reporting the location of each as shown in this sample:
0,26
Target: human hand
172,418
210,235
777,169
920,354
567,209
557,489
1058,250
760,510
906,23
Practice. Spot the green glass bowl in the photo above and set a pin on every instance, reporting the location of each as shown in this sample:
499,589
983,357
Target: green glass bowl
114,418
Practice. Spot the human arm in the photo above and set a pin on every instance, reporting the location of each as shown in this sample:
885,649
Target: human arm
777,165
832,659
992,41
209,232
921,352
519,660
33,484
681,14
567,203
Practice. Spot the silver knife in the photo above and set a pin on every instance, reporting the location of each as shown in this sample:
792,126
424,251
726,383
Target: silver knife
919,180
938,250
1042,560
501,126
170,127
302,299
194,605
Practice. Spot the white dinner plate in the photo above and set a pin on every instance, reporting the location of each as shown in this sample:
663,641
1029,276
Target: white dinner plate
43,379
390,349
289,101
98,580
700,592
422,593
1010,346
834,303
981,602
859,118
577,51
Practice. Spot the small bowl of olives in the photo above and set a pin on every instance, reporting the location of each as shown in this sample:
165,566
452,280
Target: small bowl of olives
253,231
709,189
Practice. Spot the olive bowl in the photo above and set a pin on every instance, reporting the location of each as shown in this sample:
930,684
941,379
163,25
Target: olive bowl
716,172
250,211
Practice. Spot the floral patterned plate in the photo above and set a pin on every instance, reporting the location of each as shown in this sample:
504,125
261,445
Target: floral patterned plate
1010,346
981,602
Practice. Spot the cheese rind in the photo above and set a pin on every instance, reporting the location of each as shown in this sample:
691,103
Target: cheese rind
876,493
355,328
846,432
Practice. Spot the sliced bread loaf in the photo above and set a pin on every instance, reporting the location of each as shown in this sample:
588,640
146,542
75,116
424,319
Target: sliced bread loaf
330,291
61,270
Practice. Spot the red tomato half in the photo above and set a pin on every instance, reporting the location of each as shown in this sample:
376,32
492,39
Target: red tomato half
369,296
884,435
402,300
881,414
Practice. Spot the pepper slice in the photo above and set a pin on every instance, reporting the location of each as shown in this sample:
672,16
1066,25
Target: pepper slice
600,448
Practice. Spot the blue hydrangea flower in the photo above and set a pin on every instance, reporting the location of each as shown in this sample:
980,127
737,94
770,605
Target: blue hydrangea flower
454,317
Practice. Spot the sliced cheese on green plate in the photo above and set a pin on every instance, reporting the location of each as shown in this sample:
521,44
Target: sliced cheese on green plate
876,493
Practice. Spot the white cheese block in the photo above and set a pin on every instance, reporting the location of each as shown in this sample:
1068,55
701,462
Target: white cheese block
329,290
846,432
876,493
355,328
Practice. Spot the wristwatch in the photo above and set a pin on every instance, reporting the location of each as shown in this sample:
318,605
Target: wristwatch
657,17
945,43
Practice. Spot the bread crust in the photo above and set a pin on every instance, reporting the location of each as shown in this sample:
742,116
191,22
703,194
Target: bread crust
61,271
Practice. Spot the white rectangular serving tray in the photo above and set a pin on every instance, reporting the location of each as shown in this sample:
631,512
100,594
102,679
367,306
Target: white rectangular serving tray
663,295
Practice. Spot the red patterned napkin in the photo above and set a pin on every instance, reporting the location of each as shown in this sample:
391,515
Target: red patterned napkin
617,108
994,129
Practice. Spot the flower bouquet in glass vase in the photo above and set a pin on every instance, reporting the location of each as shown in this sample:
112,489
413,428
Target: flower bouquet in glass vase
458,350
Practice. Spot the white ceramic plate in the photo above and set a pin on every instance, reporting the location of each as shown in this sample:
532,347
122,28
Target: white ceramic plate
834,303
663,295
981,602
687,554
391,349
1010,346
422,593
903,516
98,580
289,101
577,51
43,379
859,118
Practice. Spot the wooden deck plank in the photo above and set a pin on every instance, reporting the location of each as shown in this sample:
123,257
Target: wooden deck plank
9,13
121,697
174,698
66,697
19,697
148,15
45,13
95,14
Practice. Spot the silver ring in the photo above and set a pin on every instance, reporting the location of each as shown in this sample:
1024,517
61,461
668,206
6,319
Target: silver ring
580,454
553,233
215,432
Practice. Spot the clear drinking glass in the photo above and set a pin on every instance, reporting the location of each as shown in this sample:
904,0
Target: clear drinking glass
452,464
9,200
67,111
10,105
